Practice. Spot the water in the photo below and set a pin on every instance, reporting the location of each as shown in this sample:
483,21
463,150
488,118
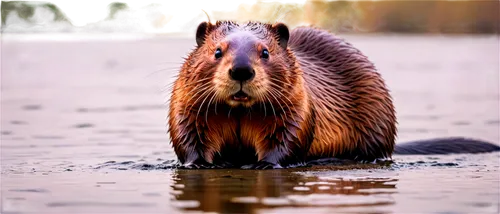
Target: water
83,130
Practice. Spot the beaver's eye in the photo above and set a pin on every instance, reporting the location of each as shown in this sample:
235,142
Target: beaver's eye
265,54
218,53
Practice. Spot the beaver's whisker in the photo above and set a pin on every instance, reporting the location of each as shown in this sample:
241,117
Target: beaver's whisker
291,103
203,89
198,113
194,82
274,112
265,111
280,81
259,97
178,67
172,62
197,90
229,112
262,103
284,83
281,117
171,85
196,86
250,112
196,101
168,87
215,108
203,102
172,69
272,94
294,118
279,94
208,107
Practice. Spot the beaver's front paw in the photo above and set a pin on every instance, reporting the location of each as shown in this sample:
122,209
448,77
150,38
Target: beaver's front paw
262,165
198,164
223,165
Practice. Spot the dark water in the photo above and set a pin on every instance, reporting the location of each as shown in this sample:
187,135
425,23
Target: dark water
83,130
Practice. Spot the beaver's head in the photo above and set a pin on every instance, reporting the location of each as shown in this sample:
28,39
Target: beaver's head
246,64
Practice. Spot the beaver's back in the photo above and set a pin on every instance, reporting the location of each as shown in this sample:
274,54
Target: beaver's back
354,111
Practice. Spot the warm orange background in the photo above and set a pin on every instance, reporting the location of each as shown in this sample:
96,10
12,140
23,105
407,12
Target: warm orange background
381,16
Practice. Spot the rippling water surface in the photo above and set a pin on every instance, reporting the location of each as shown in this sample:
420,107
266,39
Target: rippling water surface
83,130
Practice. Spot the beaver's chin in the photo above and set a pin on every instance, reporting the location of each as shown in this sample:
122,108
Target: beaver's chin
240,98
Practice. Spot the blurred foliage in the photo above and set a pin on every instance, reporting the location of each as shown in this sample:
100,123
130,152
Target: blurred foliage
18,16
118,18
117,10
33,16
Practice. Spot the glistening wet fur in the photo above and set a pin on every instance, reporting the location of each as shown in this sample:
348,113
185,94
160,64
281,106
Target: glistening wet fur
258,96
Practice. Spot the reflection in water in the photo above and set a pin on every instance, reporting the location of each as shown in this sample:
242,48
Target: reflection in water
246,191
63,132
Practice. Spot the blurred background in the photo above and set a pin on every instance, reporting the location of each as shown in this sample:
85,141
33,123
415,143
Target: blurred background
182,17
378,16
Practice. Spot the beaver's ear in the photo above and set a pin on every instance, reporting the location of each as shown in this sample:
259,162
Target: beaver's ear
203,30
282,33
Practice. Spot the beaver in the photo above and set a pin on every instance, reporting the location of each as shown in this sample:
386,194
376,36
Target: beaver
256,95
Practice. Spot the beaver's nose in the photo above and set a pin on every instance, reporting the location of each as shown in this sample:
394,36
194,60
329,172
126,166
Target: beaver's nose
241,73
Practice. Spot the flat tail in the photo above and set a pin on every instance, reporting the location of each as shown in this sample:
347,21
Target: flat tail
452,145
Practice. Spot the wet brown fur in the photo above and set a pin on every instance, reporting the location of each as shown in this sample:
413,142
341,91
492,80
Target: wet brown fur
318,97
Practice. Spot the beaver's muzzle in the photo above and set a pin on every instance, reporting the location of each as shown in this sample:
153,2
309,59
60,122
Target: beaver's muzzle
242,73
241,70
